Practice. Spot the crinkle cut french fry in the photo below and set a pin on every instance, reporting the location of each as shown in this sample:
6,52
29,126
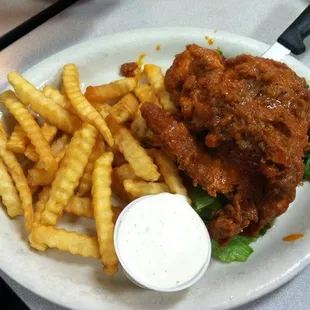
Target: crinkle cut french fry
113,90
8,193
154,76
170,172
38,176
58,148
141,188
59,145
125,109
102,205
32,129
18,140
54,94
43,197
139,128
83,108
3,134
80,206
119,158
46,107
119,190
69,173
145,93
86,179
19,179
125,172
141,163
156,79
64,240
49,132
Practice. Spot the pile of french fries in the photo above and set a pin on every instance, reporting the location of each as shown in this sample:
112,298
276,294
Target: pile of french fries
79,149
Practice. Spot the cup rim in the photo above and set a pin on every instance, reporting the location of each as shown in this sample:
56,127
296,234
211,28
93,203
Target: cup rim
129,274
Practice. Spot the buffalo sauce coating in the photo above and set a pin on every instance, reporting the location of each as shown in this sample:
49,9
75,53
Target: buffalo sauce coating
256,114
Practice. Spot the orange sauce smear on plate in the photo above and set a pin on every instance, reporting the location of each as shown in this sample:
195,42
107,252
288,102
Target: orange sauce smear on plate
158,47
293,237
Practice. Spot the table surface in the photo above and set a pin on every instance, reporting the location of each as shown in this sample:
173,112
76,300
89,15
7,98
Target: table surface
263,20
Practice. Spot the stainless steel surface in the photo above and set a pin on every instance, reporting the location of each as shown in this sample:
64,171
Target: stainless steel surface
263,20
276,52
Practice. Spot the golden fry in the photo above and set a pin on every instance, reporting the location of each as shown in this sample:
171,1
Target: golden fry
102,108
145,93
46,107
125,172
86,179
43,197
82,107
58,148
119,158
19,179
49,132
141,163
39,177
80,206
64,240
141,188
110,91
32,129
119,190
102,205
54,94
18,140
125,109
69,173
139,128
170,172
8,193
59,145
156,79
3,134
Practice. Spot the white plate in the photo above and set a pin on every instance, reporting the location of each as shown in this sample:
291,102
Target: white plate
79,283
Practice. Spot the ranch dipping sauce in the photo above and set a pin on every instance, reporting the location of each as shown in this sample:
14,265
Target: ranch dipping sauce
162,243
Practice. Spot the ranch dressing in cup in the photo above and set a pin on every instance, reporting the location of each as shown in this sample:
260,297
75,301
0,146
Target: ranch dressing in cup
161,242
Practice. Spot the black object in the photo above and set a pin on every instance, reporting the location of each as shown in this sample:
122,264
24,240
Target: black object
293,37
8,299
34,22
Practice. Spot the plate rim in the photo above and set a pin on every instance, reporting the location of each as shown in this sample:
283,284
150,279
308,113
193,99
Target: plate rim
56,57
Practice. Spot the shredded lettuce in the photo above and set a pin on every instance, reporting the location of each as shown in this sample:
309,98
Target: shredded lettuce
203,203
238,248
219,50
307,170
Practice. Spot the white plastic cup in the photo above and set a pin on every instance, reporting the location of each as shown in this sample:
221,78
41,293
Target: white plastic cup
131,276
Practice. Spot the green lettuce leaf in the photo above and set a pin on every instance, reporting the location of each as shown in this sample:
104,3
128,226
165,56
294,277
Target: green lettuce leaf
203,203
237,250
219,50
307,170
